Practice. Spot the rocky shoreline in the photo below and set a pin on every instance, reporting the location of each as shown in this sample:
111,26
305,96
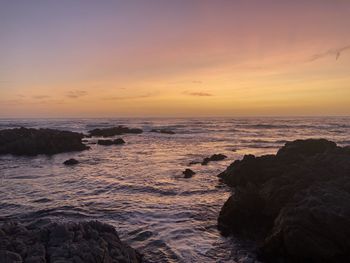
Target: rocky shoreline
31,142
295,204
43,241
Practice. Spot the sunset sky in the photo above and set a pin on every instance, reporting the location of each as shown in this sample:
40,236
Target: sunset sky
105,58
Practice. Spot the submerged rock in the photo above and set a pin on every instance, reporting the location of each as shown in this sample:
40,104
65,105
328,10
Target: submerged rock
165,131
194,162
295,203
188,173
69,242
214,158
109,132
118,141
71,162
23,141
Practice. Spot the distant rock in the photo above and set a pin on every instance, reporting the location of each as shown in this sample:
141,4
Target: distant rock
109,132
194,162
44,242
296,203
165,131
23,141
214,158
71,162
118,141
188,173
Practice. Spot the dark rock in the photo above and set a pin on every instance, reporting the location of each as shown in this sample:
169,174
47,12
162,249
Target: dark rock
165,131
23,141
9,257
118,141
314,226
69,242
214,158
194,162
188,173
109,132
295,203
71,162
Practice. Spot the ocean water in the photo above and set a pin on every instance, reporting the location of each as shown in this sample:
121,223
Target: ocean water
138,187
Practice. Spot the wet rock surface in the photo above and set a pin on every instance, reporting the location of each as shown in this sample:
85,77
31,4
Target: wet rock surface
44,241
119,130
188,173
214,158
296,204
31,142
118,141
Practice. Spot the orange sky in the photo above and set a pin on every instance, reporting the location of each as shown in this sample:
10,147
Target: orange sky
174,58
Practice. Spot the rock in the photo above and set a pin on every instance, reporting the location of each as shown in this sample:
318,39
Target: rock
165,131
214,158
118,141
314,226
188,173
295,203
23,141
71,162
109,132
68,242
9,257
194,162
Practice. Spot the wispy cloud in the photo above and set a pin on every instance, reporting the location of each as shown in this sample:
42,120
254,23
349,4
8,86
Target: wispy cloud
336,52
198,93
75,94
148,95
41,97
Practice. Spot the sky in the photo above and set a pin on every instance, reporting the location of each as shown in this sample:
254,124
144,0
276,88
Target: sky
166,58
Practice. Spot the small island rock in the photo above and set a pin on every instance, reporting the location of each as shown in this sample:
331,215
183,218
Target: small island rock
31,142
118,141
109,132
188,173
214,158
71,162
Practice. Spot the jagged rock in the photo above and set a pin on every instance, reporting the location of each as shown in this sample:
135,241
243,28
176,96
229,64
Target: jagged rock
71,162
69,242
188,173
214,158
295,203
165,131
23,141
118,141
119,130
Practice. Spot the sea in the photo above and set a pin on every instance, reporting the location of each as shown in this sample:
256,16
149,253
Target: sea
139,187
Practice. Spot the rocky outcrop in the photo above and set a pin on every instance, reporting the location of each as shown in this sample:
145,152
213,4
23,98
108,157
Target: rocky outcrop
71,162
118,141
164,131
296,203
23,141
44,242
188,173
109,132
214,158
